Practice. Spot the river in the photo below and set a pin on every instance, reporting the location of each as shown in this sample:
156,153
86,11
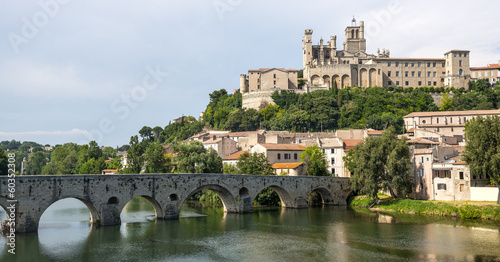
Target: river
268,234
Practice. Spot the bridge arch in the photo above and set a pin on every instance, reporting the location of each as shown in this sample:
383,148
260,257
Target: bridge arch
228,199
94,214
286,199
157,207
326,195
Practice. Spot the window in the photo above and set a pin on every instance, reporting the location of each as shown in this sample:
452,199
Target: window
412,64
406,73
451,120
428,64
389,83
279,155
441,186
397,64
461,175
333,151
333,161
389,73
333,171
274,82
288,156
459,62
423,121
420,83
388,64
397,73
465,119
455,55
397,83
295,156
421,159
419,64
379,71
443,64
412,73
407,83
428,74
479,74
429,83
434,64
419,74
461,187
421,172
434,74
435,83
406,64
437,120
274,76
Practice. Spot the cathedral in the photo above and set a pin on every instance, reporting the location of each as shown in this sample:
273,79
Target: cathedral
325,67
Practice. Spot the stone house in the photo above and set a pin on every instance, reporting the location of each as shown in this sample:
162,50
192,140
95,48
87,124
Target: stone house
290,169
279,153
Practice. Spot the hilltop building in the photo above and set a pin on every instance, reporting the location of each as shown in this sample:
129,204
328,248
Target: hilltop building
490,72
325,66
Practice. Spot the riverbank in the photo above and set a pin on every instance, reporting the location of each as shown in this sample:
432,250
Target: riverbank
461,209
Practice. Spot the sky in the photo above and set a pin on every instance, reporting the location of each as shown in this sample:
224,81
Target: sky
76,71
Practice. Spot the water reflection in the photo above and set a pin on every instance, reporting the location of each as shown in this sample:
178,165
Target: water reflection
268,234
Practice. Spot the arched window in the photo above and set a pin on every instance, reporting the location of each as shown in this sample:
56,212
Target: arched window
460,72
352,33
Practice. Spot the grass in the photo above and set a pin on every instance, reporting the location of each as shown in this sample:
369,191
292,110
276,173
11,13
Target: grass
462,209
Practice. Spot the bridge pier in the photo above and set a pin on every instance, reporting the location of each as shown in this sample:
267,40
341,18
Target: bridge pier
109,215
171,211
300,202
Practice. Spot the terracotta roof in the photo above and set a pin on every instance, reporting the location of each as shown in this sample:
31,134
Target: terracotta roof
200,134
212,141
490,66
331,142
422,151
421,141
460,163
234,156
286,165
282,146
244,133
455,113
350,143
374,132
412,130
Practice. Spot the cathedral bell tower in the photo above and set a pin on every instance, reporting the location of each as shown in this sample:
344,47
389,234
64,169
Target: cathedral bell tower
355,37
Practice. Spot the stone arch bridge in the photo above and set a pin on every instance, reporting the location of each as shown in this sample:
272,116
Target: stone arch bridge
106,195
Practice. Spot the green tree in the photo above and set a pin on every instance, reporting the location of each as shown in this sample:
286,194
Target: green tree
109,152
314,161
63,160
381,163
35,163
135,156
146,133
254,164
482,148
230,169
156,162
3,162
194,158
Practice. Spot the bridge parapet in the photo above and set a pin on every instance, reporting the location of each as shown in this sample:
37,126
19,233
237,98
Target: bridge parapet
106,195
